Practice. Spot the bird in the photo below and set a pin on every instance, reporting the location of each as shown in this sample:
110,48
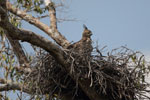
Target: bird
83,46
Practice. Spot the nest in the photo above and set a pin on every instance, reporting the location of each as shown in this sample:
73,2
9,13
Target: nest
119,75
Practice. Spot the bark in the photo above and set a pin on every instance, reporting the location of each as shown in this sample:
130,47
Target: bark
52,13
92,94
17,48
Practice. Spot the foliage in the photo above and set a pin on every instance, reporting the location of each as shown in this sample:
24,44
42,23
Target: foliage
31,5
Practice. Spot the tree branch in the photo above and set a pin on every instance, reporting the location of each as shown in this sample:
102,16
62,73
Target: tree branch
33,38
52,13
15,43
58,37
23,70
56,52
53,49
9,85
3,81
17,48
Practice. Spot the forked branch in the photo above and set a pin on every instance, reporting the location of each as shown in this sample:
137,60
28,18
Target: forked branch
17,48
55,35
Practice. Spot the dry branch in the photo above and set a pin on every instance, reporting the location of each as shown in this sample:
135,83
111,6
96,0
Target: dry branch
23,70
58,37
17,48
52,14
9,85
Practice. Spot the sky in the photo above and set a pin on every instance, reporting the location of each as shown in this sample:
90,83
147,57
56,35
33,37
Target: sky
114,23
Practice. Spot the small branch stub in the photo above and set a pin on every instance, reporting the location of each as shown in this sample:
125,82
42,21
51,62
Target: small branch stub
47,2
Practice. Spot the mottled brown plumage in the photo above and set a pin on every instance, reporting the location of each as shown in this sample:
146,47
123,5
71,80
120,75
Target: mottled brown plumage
84,46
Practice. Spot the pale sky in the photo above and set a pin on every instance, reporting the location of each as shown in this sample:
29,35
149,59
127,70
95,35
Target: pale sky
114,23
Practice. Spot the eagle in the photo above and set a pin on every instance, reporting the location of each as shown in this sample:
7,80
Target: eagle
84,46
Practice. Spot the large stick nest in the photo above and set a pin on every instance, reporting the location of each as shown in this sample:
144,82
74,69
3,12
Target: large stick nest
119,75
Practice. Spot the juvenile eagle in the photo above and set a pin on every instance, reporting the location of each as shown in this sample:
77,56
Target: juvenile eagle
84,46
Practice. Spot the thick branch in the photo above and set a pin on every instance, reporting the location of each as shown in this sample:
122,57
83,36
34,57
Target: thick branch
15,43
56,52
17,48
28,36
34,39
53,49
58,37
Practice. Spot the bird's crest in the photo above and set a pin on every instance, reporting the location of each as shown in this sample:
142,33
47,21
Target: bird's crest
86,32
84,26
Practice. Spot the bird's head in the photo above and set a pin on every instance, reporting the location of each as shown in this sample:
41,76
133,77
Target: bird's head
86,32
